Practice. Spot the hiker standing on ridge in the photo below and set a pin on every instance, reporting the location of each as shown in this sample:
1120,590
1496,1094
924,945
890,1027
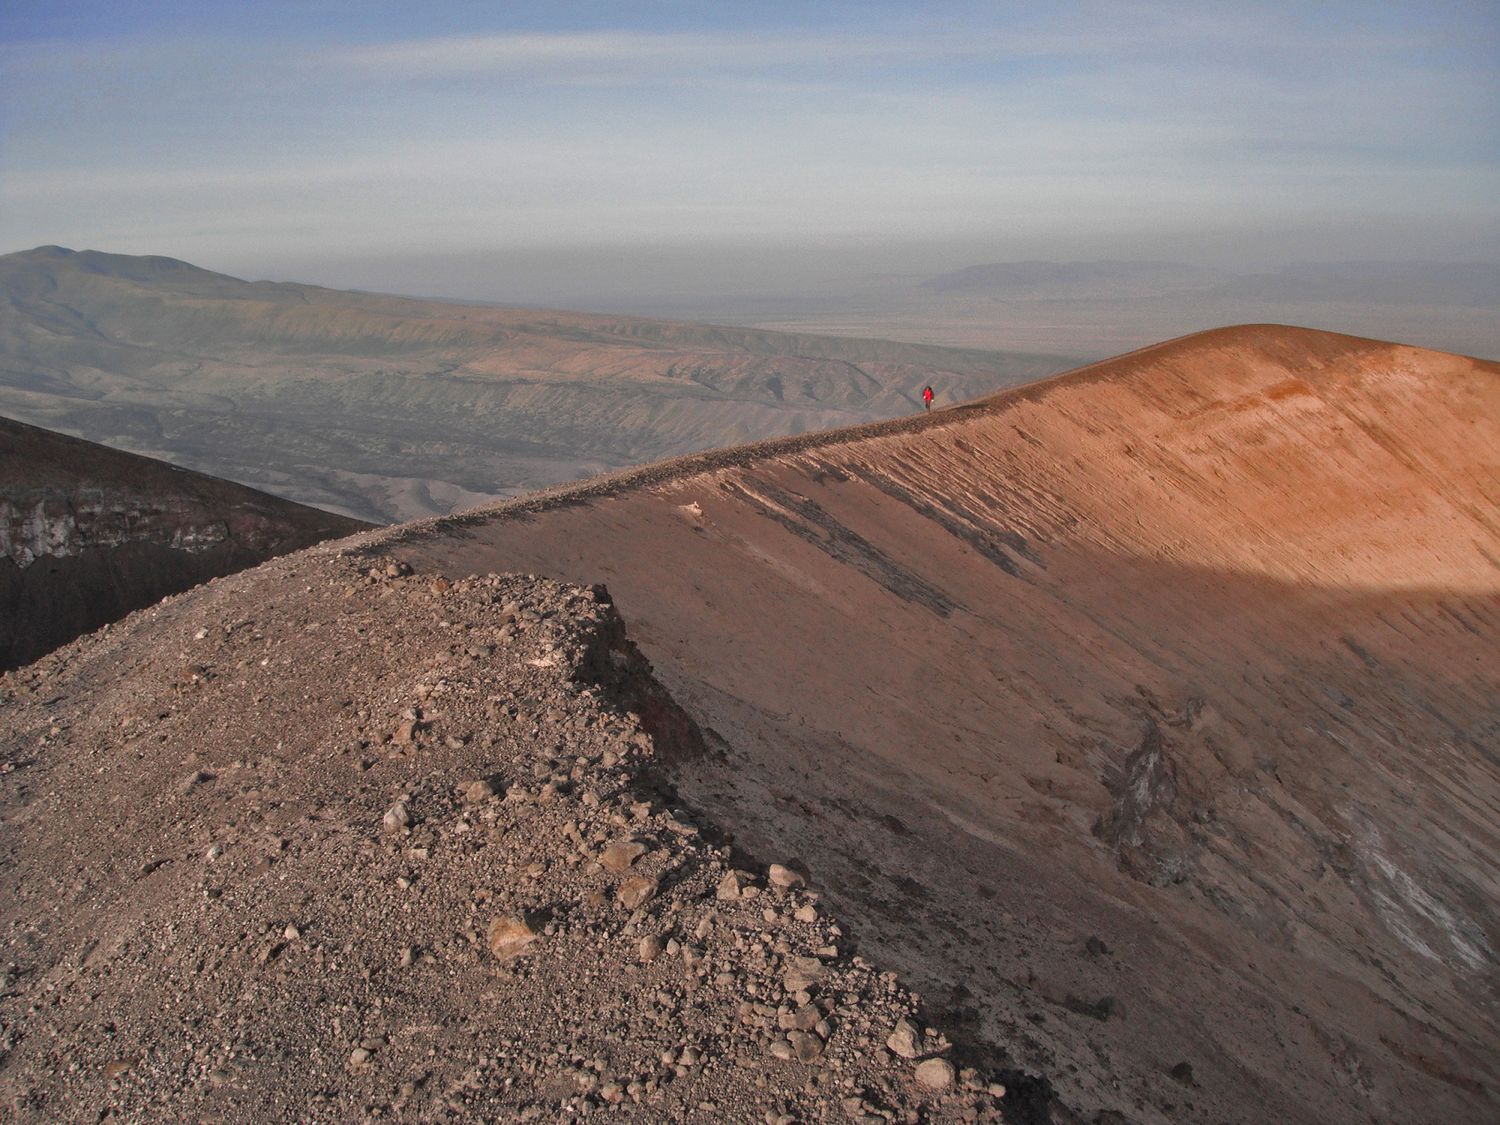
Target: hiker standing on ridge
927,397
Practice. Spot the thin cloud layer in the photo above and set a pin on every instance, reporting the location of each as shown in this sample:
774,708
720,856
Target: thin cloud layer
243,147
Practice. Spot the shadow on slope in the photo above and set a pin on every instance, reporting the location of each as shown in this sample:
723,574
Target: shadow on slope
1212,819
1188,653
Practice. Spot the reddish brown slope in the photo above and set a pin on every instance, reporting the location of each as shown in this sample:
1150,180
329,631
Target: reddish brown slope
1190,653
88,534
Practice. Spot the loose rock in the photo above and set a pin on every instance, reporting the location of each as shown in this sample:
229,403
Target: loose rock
935,1074
785,877
509,937
729,887
397,817
806,1046
906,1040
636,891
618,857
477,792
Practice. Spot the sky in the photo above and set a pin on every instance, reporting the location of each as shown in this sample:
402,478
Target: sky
497,151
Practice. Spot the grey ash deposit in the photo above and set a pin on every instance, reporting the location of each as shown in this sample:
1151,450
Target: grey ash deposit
341,842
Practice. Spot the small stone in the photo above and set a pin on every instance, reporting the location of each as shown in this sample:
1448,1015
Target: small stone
807,913
783,1050
477,792
802,973
406,732
651,947
935,1074
806,1018
291,933
618,857
729,887
785,877
397,817
806,1046
996,1090
509,937
636,891
359,1056
906,1040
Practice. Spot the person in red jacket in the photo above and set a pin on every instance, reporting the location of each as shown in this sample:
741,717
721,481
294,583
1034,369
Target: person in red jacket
927,397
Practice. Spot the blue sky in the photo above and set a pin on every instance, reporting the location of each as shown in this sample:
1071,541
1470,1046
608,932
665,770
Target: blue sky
337,141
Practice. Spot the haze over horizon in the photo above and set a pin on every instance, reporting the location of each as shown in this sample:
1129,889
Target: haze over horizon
588,154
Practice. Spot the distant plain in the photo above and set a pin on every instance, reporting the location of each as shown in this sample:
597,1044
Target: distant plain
1096,309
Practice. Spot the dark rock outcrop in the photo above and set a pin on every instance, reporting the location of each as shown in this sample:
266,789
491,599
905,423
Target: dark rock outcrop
89,534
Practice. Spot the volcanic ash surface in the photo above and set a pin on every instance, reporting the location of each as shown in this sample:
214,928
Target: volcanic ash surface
338,840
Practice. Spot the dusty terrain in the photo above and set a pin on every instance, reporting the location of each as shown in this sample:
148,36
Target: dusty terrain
1143,720
328,841
1144,717
388,408
88,534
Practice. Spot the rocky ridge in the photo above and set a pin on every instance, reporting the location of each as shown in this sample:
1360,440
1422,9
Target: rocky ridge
1142,718
343,841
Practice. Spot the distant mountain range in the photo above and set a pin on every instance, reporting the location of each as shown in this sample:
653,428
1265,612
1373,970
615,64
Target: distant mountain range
389,408
1033,280
1101,308
1468,285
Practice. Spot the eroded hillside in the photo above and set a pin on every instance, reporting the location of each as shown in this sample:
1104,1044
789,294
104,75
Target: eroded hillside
389,408
1145,717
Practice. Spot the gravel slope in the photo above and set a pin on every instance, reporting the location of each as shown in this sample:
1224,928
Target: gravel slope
328,841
